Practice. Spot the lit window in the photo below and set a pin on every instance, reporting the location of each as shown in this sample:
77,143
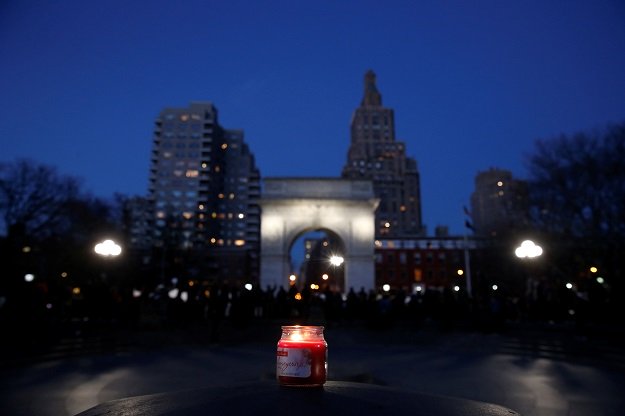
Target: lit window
213,240
224,146
187,215
239,243
160,214
220,196
192,173
231,196
184,117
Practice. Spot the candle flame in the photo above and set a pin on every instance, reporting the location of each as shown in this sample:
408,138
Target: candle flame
297,336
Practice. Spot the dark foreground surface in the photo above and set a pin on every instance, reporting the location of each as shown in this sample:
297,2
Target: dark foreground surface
267,398
531,370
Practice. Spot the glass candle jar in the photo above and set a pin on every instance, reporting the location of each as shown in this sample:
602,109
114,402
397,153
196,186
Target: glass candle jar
302,357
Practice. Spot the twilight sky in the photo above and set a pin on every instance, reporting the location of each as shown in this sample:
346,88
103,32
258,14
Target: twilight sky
473,84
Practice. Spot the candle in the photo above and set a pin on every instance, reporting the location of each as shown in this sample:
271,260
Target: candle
302,356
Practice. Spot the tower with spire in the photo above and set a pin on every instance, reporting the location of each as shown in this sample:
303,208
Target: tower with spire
374,154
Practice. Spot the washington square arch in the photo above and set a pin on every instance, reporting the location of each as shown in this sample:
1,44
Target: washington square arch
291,207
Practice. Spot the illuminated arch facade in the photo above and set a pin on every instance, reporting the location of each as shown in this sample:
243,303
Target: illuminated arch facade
292,206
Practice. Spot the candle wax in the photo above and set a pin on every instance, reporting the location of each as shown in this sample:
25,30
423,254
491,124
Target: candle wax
302,362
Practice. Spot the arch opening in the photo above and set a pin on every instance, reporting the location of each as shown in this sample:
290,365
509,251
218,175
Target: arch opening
317,259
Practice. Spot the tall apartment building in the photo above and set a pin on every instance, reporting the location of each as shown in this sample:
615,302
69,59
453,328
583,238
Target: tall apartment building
499,203
375,154
204,188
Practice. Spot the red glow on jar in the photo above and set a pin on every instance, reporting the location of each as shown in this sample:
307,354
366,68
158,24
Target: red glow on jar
302,356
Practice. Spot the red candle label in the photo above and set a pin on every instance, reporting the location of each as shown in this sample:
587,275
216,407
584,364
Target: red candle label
293,362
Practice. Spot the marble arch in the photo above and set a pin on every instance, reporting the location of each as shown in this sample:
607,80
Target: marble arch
292,206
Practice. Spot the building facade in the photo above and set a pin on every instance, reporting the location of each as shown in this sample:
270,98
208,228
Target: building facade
375,154
499,203
423,263
203,192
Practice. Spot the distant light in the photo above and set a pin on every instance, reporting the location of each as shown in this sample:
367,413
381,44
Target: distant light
460,272
495,287
136,293
248,286
528,249
184,296
593,269
569,286
48,306
26,249
336,260
76,290
292,278
500,183
386,287
600,280
314,286
571,312
456,288
108,248
241,216
29,277
174,280
387,225
298,296
419,288
325,243
64,274
325,276
173,293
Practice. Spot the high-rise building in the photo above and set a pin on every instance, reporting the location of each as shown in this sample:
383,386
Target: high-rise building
204,190
375,154
499,203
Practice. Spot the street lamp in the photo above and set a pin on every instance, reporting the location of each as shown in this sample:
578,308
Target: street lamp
108,248
336,260
528,250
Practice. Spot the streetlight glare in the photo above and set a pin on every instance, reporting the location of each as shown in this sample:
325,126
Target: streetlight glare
528,249
108,248
336,260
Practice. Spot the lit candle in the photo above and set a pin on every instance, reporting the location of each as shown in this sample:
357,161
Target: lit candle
302,356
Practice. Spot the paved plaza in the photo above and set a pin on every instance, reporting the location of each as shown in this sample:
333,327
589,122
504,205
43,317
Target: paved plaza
534,373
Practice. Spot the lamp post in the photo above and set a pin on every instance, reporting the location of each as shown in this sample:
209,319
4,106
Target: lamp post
529,250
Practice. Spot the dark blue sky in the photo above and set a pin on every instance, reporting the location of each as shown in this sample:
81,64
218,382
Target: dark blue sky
473,84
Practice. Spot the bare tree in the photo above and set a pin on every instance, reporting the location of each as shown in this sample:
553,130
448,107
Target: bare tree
578,202
34,198
578,184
